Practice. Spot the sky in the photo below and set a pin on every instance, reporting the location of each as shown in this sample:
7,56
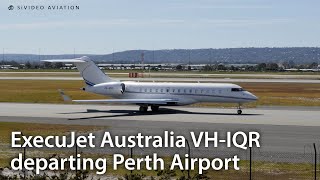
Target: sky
106,26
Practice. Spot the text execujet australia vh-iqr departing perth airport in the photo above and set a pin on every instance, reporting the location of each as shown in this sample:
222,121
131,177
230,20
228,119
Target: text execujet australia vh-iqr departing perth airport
154,94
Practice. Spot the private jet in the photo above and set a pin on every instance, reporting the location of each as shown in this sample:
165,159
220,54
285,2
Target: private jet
154,94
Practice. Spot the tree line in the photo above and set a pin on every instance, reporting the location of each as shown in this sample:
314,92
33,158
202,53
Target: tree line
209,67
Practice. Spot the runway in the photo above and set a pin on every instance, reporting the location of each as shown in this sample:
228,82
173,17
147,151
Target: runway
168,79
267,116
282,129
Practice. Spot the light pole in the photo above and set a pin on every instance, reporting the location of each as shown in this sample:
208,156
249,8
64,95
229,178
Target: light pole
2,54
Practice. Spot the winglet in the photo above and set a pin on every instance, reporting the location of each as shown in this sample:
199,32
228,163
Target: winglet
64,96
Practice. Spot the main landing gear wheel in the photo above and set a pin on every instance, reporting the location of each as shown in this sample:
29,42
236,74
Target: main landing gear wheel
239,109
155,108
143,108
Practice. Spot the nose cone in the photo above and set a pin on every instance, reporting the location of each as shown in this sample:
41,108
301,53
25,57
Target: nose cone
252,96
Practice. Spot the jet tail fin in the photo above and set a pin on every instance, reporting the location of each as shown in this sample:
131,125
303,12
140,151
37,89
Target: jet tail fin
89,71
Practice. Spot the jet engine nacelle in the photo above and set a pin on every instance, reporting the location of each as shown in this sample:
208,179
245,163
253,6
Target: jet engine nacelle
110,88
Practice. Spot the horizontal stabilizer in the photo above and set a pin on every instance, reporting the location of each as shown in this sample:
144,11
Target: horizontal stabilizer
64,60
65,97
89,71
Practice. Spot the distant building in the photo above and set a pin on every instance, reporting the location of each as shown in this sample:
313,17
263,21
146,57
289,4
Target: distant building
68,66
302,70
137,66
8,67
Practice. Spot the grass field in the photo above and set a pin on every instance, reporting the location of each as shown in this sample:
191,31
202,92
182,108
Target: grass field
43,91
260,169
285,94
38,91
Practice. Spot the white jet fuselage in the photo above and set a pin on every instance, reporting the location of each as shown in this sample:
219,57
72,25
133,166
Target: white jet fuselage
153,94
182,93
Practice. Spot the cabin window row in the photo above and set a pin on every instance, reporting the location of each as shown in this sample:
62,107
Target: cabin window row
184,91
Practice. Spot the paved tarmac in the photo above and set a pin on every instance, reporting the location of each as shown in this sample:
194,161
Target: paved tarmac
287,130
267,116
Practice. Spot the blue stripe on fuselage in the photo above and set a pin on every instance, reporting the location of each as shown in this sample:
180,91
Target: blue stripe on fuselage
88,82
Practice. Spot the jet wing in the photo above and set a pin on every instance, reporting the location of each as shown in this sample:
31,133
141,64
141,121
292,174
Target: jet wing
131,101
122,101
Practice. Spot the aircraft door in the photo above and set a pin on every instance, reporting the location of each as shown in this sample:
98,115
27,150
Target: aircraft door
123,87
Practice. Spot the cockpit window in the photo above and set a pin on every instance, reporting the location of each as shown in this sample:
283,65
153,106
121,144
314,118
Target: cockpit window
237,89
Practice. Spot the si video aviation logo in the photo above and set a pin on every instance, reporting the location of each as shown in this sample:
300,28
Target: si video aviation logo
42,7
11,7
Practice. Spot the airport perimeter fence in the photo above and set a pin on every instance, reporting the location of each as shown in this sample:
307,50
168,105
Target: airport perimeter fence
255,164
